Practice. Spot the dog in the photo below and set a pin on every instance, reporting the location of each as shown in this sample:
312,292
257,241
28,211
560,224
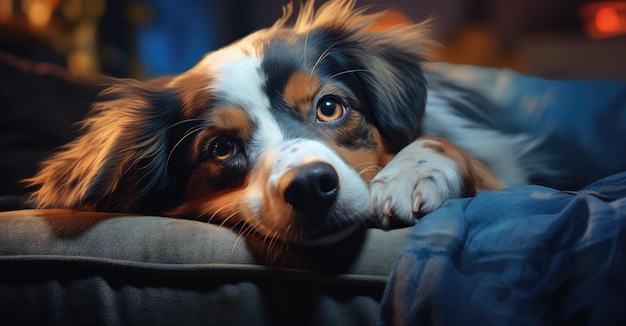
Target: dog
301,132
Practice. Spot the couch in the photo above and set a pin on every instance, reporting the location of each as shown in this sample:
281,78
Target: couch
537,254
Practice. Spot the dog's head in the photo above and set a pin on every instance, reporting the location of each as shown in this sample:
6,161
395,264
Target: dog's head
279,131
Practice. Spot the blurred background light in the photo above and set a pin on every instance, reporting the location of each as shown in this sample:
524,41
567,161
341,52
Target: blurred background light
604,19
151,38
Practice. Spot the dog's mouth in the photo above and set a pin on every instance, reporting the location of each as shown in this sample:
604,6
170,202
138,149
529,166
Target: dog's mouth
327,236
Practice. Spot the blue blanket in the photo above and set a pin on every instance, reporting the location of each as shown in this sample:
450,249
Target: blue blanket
526,255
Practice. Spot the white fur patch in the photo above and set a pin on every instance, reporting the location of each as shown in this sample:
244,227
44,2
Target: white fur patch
237,78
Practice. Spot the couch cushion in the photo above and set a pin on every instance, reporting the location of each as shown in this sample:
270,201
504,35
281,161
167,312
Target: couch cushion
64,266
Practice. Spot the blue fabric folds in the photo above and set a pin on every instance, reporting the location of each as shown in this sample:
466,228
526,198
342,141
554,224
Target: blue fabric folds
526,255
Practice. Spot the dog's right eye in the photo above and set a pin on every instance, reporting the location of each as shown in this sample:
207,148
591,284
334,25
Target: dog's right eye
330,109
222,148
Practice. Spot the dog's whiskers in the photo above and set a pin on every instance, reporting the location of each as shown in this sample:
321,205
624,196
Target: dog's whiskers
187,134
375,169
185,121
348,72
227,219
269,246
369,167
306,43
216,213
371,164
245,231
322,56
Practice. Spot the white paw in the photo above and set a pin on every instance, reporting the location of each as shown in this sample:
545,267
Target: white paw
417,181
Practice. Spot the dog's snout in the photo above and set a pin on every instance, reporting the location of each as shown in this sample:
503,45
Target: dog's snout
313,188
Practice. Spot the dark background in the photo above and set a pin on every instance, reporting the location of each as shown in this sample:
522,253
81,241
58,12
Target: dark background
149,38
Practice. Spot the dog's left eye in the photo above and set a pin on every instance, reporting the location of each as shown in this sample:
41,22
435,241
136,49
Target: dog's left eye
330,109
222,148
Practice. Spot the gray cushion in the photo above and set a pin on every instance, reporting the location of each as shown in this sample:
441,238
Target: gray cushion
66,267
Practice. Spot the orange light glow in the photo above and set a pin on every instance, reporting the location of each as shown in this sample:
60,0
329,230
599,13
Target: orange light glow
604,19
6,9
607,20
39,14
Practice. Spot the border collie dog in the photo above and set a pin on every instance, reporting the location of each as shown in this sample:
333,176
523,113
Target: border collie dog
301,132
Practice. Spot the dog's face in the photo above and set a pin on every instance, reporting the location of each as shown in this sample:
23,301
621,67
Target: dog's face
279,131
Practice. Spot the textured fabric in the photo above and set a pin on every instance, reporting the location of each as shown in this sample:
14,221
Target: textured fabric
84,294
63,267
526,255
163,240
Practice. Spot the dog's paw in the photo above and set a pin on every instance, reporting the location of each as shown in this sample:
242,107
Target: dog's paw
415,182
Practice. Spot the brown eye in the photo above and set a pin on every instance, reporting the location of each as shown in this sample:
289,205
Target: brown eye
222,148
330,109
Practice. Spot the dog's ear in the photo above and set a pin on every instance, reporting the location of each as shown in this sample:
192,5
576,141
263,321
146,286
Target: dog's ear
122,157
395,85
385,50
395,88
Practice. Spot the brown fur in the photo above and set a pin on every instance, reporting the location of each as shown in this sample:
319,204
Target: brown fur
301,89
476,176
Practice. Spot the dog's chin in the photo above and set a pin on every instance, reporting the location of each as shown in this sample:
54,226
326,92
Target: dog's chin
326,235
311,230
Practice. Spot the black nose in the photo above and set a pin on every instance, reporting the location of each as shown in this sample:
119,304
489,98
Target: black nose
313,189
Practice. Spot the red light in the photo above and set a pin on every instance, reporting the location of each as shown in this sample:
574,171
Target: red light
604,18
607,20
